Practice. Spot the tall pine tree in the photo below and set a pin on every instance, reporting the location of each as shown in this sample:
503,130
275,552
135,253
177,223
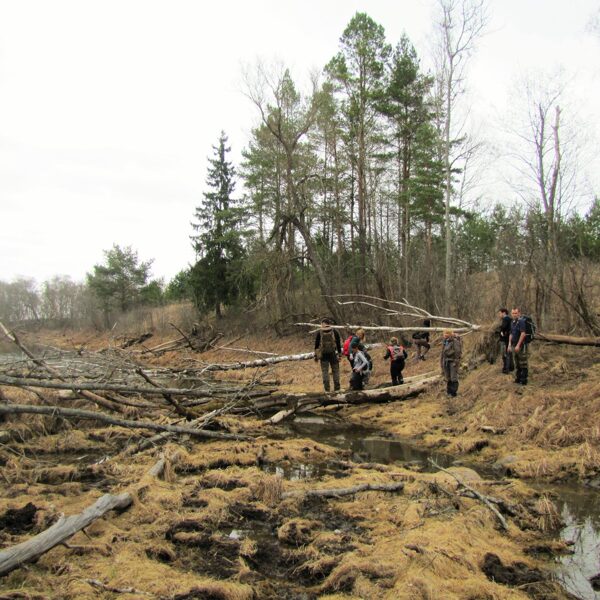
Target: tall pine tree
217,277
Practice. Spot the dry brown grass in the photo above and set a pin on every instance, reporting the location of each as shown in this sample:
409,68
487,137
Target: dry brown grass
417,544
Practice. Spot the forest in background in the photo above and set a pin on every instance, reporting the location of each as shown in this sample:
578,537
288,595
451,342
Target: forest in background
368,182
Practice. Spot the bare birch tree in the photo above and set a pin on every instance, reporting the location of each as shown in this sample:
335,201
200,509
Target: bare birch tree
459,26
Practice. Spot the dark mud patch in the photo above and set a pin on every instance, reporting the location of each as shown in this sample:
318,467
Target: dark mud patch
534,582
19,520
284,553
516,574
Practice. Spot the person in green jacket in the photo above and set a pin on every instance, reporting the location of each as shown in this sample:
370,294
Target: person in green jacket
328,348
450,361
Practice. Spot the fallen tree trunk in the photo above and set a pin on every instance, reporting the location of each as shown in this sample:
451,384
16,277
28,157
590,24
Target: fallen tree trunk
391,328
57,411
298,402
66,527
338,492
260,362
265,362
138,340
38,361
109,387
62,530
568,339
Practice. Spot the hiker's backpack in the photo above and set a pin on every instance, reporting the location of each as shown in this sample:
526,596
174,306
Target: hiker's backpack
346,348
327,342
530,329
457,347
396,352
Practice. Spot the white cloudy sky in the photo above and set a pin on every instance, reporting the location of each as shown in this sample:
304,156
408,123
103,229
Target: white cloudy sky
109,108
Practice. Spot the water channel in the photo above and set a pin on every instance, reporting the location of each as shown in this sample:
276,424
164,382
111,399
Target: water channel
579,506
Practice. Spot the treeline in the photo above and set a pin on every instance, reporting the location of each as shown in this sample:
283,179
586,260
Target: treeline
360,185
364,184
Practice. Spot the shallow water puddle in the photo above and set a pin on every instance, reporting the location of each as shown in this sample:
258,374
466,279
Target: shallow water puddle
366,445
579,506
580,510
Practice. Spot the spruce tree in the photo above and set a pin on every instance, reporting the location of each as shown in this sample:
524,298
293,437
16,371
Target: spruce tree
216,278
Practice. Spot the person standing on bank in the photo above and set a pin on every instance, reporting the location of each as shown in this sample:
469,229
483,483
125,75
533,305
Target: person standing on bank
450,361
328,348
504,333
397,355
518,346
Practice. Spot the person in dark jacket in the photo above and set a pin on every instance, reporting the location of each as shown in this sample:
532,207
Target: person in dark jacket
518,346
397,355
421,341
328,348
450,361
504,334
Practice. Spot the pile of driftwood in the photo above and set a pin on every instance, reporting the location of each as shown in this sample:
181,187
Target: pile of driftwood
115,388
197,341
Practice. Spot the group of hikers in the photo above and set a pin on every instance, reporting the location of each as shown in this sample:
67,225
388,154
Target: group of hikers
329,347
515,331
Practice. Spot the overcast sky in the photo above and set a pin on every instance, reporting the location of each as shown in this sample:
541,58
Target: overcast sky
109,108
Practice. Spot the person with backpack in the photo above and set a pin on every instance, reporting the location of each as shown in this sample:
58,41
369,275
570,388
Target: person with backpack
504,334
328,347
450,361
397,355
353,344
361,370
518,344
421,341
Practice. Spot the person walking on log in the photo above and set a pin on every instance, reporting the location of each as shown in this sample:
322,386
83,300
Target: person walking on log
361,370
421,341
328,348
397,355
450,361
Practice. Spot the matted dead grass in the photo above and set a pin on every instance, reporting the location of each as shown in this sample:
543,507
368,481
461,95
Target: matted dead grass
218,525
179,540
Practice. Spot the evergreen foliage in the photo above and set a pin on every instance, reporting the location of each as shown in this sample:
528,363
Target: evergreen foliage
218,278
119,281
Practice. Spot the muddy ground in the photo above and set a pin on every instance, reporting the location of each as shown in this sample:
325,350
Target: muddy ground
236,520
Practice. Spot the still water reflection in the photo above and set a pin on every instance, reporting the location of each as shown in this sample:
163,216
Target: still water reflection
579,506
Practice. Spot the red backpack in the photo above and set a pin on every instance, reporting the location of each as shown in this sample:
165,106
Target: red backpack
396,352
346,348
